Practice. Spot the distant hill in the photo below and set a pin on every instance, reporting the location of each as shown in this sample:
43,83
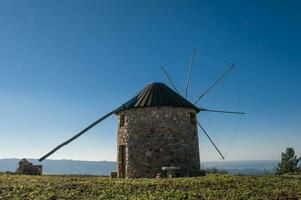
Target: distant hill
106,167
252,167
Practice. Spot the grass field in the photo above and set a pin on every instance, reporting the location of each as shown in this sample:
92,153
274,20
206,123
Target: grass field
89,187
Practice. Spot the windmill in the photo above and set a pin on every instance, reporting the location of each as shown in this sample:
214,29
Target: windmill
157,128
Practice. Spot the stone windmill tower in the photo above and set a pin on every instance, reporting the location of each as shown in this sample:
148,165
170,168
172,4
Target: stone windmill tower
157,129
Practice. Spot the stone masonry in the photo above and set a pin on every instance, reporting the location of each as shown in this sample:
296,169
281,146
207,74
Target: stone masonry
150,138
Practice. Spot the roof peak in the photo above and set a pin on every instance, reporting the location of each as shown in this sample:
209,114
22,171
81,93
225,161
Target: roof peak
156,83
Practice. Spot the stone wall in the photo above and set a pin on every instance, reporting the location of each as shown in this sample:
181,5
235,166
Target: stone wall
155,137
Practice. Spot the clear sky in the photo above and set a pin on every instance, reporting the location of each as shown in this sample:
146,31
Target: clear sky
65,63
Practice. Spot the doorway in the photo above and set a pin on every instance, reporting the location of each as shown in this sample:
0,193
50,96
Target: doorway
121,161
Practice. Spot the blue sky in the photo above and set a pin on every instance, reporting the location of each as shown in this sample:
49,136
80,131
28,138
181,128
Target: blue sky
65,63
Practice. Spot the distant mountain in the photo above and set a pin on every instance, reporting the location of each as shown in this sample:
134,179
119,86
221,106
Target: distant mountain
106,167
253,167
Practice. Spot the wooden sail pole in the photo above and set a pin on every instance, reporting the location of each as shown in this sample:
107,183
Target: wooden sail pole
80,133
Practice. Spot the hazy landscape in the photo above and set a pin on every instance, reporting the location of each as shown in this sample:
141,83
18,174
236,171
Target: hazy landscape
106,167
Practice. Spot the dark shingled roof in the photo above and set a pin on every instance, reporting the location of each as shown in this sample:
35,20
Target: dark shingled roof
158,94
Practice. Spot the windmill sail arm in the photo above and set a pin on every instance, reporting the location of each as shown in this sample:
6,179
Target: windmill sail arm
168,77
80,133
189,72
215,83
223,111
211,140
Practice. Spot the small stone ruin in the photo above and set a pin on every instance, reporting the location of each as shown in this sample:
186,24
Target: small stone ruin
27,168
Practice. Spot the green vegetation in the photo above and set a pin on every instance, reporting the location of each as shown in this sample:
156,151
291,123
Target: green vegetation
91,187
215,171
289,162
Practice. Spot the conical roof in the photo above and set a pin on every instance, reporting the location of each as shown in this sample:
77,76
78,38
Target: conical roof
158,94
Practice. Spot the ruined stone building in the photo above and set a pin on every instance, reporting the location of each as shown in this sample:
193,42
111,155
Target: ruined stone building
26,167
157,128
